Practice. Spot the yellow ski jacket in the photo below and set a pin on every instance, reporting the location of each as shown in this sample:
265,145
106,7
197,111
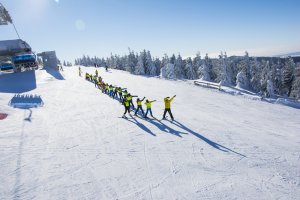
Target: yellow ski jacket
148,104
168,102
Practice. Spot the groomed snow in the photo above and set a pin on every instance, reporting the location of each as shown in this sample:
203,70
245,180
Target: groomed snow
74,145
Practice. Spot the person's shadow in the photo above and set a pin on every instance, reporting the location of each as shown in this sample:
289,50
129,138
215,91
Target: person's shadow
165,128
142,126
208,141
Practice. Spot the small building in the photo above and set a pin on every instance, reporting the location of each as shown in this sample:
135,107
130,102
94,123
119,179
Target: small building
49,58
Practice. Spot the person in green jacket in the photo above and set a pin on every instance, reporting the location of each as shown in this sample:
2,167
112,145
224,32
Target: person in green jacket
111,90
148,105
120,92
127,107
168,101
139,106
106,88
129,98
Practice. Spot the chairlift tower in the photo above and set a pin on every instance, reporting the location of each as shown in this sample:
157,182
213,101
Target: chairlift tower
5,18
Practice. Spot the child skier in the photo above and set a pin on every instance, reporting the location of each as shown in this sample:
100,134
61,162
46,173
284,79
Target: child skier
95,79
106,88
120,92
127,107
111,90
129,98
168,101
115,92
139,106
148,105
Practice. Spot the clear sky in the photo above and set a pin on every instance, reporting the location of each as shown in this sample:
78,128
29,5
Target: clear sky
99,27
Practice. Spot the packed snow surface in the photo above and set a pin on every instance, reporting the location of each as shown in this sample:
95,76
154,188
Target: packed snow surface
64,139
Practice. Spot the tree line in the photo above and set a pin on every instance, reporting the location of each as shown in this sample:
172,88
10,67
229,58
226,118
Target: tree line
266,76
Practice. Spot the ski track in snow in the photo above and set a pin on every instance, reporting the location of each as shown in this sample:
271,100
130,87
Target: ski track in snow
76,146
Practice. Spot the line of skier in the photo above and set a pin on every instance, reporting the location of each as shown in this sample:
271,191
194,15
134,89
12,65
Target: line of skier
125,97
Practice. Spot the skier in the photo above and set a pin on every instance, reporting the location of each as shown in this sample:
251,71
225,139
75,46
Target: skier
106,88
103,87
120,91
127,107
115,92
96,72
139,106
99,79
95,80
111,90
79,71
87,76
106,68
168,101
125,93
129,98
148,105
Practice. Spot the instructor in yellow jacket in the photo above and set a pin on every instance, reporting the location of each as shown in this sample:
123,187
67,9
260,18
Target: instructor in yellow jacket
168,101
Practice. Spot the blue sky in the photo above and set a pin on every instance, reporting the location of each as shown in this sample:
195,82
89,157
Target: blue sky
99,27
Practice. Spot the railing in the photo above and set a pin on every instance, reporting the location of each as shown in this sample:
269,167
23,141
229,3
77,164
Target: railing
208,84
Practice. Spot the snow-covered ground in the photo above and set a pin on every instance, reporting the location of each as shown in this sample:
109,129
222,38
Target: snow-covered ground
75,145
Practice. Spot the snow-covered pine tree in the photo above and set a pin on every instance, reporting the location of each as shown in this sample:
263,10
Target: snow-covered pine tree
245,67
140,68
296,85
197,62
241,80
204,72
225,73
179,67
170,71
265,74
189,70
165,60
163,72
172,59
131,62
157,64
255,74
150,66
288,75
270,88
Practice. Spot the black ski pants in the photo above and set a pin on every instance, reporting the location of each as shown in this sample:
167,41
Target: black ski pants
127,109
169,111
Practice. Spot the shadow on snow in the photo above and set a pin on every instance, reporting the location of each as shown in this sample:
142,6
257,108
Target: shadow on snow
18,82
26,101
56,74
208,141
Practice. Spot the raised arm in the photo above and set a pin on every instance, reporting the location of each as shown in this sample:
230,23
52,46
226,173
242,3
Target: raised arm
172,98
143,99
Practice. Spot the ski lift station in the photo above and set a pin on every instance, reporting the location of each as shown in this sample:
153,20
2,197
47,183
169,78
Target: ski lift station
49,59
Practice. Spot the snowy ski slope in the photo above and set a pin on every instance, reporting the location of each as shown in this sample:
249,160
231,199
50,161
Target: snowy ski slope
75,145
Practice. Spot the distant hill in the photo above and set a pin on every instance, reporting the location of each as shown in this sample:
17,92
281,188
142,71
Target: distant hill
294,54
